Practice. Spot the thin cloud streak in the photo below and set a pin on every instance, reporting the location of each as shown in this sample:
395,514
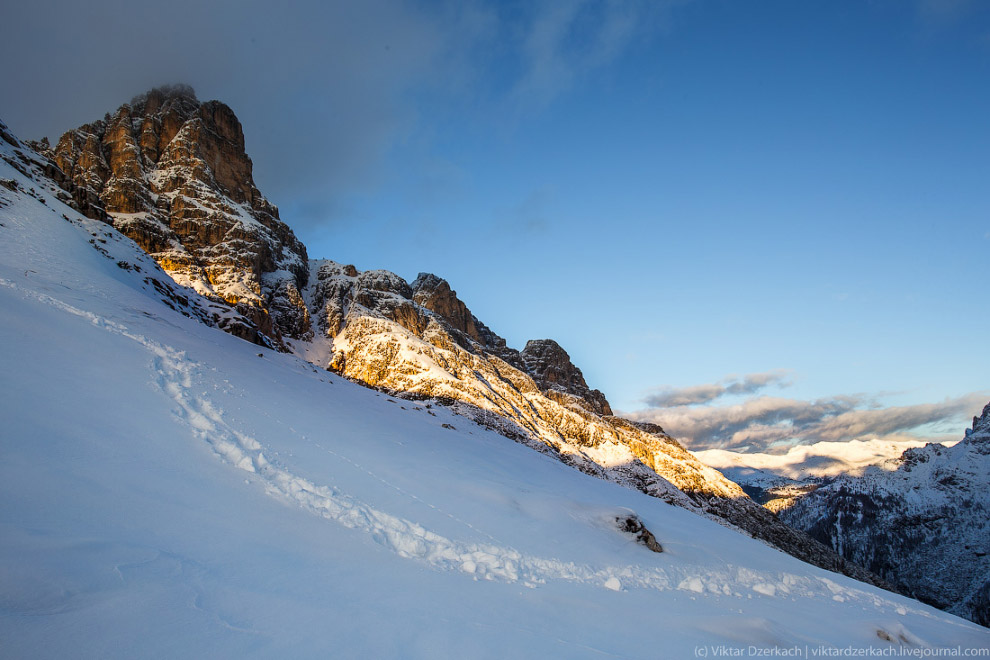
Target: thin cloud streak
564,41
733,385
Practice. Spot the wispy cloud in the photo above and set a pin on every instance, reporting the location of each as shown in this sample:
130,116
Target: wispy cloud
562,41
666,396
762,422
328,92
944,11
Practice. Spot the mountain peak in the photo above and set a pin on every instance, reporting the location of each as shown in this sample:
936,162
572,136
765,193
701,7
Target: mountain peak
172,174
981,424
550,365
435,294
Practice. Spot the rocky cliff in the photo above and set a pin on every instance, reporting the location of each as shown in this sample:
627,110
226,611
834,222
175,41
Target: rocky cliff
171,173
48,180
558,378
924,526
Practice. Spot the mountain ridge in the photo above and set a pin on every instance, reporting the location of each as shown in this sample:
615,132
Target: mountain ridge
159,167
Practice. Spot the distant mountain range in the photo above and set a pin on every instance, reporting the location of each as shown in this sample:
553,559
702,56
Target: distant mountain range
773,479
916,516
922,523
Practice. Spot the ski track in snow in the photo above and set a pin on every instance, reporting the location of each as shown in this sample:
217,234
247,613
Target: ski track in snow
176,376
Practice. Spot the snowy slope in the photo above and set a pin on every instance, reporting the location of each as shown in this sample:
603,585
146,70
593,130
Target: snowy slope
171,173
168,492
420,341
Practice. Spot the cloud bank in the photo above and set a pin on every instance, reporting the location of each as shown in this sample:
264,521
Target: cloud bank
763,422
324,89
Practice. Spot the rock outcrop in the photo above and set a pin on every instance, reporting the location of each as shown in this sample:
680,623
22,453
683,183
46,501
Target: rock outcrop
979,435
47,181
552,369
171,173
924,527
632,525
434,293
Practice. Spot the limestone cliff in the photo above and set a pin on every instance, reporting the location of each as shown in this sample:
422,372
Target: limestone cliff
557,376
171,173
48,179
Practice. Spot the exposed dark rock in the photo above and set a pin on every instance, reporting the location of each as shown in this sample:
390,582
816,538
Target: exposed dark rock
434,293
631,524
648,427
288,310
552,369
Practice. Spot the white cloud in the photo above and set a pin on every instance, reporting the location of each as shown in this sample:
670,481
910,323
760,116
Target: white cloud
763,422
821,459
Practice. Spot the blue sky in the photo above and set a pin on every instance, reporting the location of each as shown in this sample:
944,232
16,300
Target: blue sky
681,193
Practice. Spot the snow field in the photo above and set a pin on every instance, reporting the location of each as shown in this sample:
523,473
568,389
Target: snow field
165,491
182,379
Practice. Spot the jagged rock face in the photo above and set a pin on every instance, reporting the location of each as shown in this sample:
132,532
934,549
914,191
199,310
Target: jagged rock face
435,294
551,367
978,437
171,173
287,308
932,514
422,341
47,177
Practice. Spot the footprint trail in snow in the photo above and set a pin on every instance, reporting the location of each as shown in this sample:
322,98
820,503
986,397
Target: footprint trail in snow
177,376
